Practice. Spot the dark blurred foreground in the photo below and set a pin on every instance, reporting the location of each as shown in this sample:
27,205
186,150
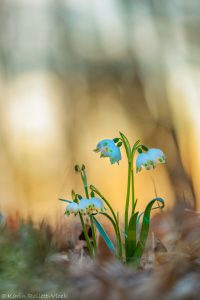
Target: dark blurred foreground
53,261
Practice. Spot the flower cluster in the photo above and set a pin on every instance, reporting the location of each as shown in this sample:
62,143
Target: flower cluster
85,206
149,159
107,148
131,245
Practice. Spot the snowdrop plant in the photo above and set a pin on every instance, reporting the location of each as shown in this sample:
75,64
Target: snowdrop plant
130,242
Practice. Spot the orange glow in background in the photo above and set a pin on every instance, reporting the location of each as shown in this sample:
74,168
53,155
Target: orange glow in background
76,72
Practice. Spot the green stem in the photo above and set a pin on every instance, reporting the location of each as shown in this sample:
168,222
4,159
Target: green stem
135,147
114,216
86,235
84,179
133,189
127,196
93,233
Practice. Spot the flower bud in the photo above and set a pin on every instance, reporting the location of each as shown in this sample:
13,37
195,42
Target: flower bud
115,140
92,194
77,168
145,148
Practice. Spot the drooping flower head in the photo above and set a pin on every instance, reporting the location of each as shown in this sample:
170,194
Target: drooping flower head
72,208
90,206
149,159
96,205
107,148
115,155
85,206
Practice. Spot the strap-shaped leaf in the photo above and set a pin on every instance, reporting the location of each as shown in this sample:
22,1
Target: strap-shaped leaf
134,207
68,201
140,215
104,235
117,233
145,227
131,237
111,220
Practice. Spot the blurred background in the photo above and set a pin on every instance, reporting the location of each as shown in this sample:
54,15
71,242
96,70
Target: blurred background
73,72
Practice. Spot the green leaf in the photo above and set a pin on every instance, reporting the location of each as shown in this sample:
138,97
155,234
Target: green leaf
68,201
134,207
104,235
131,237
117,232
145,226
111,220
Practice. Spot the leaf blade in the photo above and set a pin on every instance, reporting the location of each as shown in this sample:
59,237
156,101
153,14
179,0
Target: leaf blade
145,227
104,236
68,201
131,237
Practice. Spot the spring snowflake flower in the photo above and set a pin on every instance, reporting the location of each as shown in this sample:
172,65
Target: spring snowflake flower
149,159
72,208
84,205
96,204
90,206
107,148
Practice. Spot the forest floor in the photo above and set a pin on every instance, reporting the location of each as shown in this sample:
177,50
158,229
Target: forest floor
44,262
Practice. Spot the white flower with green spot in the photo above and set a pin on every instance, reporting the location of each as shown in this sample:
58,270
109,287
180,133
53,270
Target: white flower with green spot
149,159
96,205
85,206
90,206
72,208
107,148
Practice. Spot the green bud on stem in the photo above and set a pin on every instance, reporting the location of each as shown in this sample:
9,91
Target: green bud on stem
139,150
77,168
145,148
119,144
116,140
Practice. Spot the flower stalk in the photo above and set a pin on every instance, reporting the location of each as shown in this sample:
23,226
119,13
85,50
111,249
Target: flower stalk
84,179
86,236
